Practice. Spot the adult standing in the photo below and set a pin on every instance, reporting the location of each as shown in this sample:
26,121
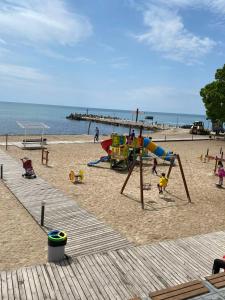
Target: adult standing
96,137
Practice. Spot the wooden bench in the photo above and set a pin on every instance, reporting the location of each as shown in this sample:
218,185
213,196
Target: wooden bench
217,280
35,140
181,291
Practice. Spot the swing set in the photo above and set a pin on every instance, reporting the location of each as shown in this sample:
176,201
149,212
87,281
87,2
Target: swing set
140,160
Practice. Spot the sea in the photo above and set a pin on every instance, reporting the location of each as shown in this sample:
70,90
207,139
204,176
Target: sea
54,117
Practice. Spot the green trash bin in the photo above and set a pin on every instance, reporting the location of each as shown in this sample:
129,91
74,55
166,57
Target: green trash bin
57,240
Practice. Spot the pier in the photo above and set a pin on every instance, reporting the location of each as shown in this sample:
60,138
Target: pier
116,121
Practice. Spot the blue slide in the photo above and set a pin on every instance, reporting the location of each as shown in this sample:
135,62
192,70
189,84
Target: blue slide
102,159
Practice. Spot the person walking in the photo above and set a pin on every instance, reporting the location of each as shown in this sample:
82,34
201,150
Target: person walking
96,137
155,163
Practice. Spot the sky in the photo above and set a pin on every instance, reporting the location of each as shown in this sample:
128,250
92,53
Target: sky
120,54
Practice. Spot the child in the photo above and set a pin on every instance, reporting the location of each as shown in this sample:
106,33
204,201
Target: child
155,163
162,183
221,173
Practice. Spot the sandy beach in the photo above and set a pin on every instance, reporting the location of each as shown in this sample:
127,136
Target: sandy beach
23,242
167,217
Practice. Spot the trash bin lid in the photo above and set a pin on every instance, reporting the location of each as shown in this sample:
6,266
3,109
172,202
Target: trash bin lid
57,236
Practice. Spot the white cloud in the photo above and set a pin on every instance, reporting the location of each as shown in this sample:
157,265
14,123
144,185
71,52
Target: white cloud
21,72
215,6
56,55
119,62
42,21
167,34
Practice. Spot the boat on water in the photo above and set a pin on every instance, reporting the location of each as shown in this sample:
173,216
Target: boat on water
149,117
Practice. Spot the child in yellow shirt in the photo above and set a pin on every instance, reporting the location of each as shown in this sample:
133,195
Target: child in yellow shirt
162,183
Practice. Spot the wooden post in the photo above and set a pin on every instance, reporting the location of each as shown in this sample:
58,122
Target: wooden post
42,212
1,176
216,164
137,111
207,153
128,176
221,155
170,168
46,158
42,156
89,126
6,142
183,177
141,181
221,150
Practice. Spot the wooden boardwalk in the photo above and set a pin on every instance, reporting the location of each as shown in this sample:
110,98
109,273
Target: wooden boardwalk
103,264
86,234
119,274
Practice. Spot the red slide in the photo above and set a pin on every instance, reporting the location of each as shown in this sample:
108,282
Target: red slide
106,145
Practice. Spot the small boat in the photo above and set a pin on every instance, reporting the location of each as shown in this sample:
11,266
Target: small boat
149,117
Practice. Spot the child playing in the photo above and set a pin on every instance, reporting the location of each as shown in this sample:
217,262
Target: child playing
162,183
221,173
155,163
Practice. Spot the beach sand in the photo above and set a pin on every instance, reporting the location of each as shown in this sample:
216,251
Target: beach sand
165,217
23,242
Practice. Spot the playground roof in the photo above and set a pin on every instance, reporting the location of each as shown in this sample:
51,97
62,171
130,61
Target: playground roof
32,125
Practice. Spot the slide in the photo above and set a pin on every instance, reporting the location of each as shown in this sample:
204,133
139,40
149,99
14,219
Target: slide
158,151
102,159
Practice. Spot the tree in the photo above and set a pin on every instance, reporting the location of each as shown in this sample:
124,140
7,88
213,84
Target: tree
213,96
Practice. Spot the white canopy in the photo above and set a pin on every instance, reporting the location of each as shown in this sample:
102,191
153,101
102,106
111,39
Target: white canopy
32,125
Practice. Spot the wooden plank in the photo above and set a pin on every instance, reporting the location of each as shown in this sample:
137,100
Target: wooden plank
93,280
15,285
73,283
58,280
125,272
4,286
143,270
169,262
181,291
46,288
160,266
51,282
10,285
38,284
21,285
32,284
64,280
112,275
26,283
86,280
79,276
101,277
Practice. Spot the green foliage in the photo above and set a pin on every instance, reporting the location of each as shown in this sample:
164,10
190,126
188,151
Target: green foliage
213,96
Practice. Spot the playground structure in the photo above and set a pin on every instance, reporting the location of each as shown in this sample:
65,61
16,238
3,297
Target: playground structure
76,178
172,159
44,157
122,151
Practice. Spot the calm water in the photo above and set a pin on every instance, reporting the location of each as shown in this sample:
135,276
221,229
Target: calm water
55,118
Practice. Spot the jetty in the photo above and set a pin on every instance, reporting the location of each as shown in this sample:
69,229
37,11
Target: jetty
114,121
